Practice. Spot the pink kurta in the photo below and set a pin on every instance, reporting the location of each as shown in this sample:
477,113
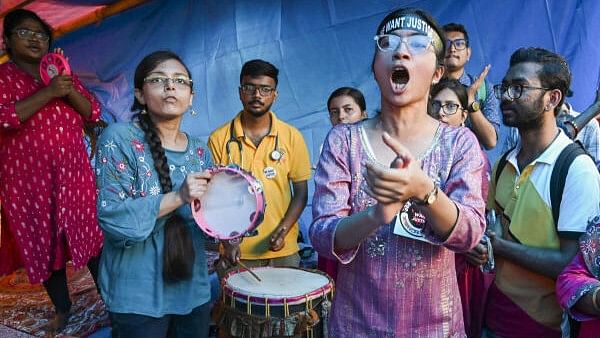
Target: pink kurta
47,186
581,277
392,286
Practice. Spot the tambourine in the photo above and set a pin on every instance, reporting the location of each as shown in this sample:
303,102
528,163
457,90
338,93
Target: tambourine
53,64
233,206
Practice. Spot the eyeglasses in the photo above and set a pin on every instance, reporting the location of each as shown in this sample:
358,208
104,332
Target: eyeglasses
513,90
23,33
163,81
459,44
415,44
250,89
448,108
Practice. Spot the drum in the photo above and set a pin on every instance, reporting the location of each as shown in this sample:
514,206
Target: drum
53,64
287,302
233,206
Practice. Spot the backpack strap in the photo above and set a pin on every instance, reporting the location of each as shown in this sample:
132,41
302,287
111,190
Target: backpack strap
501,164
559,175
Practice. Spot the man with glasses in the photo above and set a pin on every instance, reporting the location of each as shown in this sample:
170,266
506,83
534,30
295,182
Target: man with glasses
530,246
276,154
588,136
484,114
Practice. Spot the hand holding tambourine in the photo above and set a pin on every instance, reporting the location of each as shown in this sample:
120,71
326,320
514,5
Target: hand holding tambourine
232,206
55,73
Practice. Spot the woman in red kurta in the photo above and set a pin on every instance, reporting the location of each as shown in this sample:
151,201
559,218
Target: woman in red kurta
47,186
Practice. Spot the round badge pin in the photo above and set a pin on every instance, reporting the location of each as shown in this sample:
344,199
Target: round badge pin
53,64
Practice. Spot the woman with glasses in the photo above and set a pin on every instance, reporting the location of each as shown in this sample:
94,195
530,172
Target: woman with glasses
449,99
397,195
153,273
46,181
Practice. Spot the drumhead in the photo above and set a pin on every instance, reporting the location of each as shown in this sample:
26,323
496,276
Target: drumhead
277,284
232,205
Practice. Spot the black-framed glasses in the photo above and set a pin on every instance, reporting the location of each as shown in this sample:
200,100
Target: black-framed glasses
249,89
24,34
180,82
459,44
449,108
415,44
513,90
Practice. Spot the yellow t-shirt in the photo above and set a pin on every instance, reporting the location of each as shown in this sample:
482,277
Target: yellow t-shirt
275,176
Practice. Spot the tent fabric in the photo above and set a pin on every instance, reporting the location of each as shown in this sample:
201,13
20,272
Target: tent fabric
318,45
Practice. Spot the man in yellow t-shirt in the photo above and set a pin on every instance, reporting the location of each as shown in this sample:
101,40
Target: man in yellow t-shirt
276,154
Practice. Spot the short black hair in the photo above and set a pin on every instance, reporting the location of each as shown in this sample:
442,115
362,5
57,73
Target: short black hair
16,17
456,27
257,67
554,74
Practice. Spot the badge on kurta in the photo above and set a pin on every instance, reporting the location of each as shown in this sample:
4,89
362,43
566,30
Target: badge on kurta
269,172
410,222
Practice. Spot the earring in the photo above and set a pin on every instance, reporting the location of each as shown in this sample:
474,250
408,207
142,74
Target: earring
193,112
143,112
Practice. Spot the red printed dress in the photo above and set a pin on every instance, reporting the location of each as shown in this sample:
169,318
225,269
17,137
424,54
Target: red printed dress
47,186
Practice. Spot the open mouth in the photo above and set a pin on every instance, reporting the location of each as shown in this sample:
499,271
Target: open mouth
400,78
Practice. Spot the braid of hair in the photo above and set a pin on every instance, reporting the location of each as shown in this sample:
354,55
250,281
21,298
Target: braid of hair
93,130
178,248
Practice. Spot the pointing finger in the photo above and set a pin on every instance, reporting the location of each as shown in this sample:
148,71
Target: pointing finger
403,155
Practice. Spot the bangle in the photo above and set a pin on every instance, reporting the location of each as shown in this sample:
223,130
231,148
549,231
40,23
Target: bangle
595,299
574,126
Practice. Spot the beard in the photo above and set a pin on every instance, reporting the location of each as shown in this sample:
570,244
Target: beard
525,116
257,112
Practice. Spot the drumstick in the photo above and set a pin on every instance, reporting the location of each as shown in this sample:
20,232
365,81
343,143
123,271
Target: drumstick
247,268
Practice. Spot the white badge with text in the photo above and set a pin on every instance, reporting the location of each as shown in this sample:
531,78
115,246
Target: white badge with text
270,172
410,222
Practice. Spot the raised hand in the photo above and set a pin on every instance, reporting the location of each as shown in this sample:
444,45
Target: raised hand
474,87
392,186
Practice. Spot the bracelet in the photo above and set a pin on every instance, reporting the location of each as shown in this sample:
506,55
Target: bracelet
595,299
574,126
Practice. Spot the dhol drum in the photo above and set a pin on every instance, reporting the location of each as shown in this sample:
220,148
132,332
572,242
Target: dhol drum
287,302
233,206
53,64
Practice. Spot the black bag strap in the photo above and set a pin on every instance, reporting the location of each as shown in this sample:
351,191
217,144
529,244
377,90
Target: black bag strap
559,175
501,164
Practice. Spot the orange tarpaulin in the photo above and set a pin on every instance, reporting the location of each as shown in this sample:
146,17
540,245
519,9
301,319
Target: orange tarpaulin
65,18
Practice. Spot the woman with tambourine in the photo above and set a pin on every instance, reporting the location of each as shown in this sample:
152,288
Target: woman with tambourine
46,182
153,271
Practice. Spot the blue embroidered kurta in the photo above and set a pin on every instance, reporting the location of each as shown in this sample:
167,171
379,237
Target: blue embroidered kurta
129,198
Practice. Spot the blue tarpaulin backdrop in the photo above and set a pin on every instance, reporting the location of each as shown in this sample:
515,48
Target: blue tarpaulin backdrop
318,45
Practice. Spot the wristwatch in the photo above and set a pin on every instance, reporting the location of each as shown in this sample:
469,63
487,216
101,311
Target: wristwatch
431,196
473,106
